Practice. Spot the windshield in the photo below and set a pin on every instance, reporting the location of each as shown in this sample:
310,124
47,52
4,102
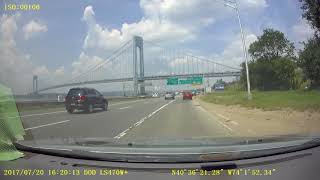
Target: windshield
73,92
159,74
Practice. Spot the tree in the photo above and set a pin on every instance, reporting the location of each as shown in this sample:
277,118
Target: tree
311,12
309,60
273,62
272,44
220,81
275,74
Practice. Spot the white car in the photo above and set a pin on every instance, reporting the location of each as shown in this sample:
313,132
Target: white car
169,95
155,95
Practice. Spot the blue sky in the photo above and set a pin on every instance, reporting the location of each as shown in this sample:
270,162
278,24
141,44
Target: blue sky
65,37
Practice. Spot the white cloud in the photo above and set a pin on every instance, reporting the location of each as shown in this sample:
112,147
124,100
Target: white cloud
302,30
16,69
103,68
233,52
178,62
84,63
60,72
8,27
194,13
13,65
169,21
33,28
41,71
253,3
153,30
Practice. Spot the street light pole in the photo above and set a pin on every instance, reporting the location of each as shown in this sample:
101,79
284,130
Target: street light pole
124,90
245,50
235,7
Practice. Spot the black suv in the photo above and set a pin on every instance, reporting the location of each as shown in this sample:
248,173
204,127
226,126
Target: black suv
85,99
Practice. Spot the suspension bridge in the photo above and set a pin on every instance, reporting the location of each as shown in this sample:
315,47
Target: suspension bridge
138,61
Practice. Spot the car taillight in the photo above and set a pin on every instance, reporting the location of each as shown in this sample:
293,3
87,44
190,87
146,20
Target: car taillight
82,97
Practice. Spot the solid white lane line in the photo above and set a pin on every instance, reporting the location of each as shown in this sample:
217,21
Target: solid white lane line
127,107
40,114
223,117
229,128
57,112
36,127
141,120
234,123
221,123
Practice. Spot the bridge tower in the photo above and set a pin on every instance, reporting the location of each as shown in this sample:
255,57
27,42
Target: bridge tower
35,84
138,66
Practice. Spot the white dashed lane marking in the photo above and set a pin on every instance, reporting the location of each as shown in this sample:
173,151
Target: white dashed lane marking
45,125
141,121
127,107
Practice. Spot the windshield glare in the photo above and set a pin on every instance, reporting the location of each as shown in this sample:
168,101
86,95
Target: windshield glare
148,73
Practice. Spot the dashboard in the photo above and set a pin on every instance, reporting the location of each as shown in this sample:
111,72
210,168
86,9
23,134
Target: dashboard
294,166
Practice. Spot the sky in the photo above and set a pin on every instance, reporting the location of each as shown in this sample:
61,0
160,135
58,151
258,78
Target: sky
64,38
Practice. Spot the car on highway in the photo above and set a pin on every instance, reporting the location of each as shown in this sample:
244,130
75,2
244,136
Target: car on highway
85,99
155,95
219,87
194,92
187,95
169,95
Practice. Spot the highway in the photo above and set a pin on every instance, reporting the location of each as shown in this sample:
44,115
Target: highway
151,118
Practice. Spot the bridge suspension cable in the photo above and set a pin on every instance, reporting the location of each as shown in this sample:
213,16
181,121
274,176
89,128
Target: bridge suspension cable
159,64
197,63
111,58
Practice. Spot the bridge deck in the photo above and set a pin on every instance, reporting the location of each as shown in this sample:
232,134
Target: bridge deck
146,78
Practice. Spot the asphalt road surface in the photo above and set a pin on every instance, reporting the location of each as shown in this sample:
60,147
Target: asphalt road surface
155,117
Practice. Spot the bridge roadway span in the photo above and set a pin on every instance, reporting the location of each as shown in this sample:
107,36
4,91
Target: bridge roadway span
146,78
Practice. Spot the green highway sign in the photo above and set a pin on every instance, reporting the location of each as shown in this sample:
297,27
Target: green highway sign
172,81
190,80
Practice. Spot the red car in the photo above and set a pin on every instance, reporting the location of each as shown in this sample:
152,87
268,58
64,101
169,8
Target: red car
187,95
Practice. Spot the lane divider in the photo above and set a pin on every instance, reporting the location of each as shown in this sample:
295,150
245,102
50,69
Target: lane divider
57,112
114,104
45,125
221,123
127,107
223,117
141,120
234,123
40,114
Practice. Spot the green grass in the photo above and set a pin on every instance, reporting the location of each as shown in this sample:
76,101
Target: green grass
268,100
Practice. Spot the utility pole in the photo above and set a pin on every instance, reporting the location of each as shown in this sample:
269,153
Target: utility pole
124,90
234,5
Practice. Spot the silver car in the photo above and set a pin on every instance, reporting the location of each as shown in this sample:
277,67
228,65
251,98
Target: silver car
169,95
